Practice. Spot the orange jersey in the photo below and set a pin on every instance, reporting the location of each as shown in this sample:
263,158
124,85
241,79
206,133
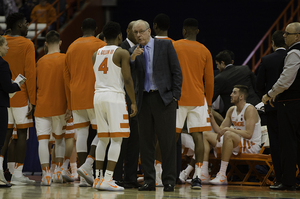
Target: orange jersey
21,60
79,73
50,96
43,14
164,37
195,62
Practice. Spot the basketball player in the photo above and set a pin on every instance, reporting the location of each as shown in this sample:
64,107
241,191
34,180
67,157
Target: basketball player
245,137
196,64
112,71
21,59
51,107
80,82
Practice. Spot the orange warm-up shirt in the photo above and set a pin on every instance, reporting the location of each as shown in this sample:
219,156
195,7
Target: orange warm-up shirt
21,59
79,73
162,37
43,14
50,95
195,62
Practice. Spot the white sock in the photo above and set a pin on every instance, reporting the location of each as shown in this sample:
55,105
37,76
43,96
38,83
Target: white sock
1,162
73,167
223,167
108,175
197,170
89,160
189,169
18,171
11,167
66,164
158,168
204,168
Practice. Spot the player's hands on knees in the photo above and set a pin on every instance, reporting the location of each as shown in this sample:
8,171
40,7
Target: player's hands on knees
68,115
133,110
30,110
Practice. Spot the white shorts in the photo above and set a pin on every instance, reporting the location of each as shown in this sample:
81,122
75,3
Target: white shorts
45,126
112,115
197,118
245,146
70,131
83,118
17,115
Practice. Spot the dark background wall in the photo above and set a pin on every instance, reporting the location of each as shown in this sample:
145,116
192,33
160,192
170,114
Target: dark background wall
237,25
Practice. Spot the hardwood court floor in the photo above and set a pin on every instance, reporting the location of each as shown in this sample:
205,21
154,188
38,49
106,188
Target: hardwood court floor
72,190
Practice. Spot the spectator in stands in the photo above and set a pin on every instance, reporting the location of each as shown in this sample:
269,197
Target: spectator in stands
43,13
229,76
245,137
269,71
9,7
25,8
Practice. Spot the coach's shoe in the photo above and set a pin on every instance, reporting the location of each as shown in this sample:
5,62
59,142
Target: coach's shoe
219,180
58,175
204,179
67,176
86,172
83,183
158,181
46,179
22,180
109,186
196,183
183,176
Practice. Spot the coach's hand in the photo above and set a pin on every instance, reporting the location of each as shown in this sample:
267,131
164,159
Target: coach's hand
133,110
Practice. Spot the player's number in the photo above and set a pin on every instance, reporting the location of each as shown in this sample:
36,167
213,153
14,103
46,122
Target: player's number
103,66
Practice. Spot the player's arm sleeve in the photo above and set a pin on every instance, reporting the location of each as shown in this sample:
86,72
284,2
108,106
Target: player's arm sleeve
209,79
67,79
30,73
175,71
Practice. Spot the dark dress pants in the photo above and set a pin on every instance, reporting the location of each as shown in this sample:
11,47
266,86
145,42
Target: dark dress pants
273,132
3,125
155,117
289,135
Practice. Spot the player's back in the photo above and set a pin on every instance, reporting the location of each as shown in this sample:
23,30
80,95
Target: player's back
195,61
109,76
80,66
51,96
21,59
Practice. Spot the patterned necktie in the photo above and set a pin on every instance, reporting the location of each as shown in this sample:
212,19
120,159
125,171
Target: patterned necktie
147,84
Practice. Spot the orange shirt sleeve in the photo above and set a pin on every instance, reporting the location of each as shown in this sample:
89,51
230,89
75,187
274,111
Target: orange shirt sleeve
67,84
33,13
51,13
30,73
209,78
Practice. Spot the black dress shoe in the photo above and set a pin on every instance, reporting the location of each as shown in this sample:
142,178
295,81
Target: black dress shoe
120,183
147,187
283,187
168,187
131,185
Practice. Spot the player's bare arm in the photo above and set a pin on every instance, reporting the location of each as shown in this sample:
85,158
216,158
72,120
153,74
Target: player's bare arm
225,126
122,58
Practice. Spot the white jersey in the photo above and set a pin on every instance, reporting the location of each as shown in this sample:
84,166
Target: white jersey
108,75
239,123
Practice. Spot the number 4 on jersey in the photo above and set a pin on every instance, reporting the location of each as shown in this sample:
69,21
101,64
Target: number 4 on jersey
103,66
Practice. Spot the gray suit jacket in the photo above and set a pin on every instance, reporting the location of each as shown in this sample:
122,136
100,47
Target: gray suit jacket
166,71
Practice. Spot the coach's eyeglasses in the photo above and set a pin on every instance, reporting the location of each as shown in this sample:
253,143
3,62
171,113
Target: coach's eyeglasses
288,33
141,31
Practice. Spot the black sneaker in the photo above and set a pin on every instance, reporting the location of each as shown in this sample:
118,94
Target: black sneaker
196,183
